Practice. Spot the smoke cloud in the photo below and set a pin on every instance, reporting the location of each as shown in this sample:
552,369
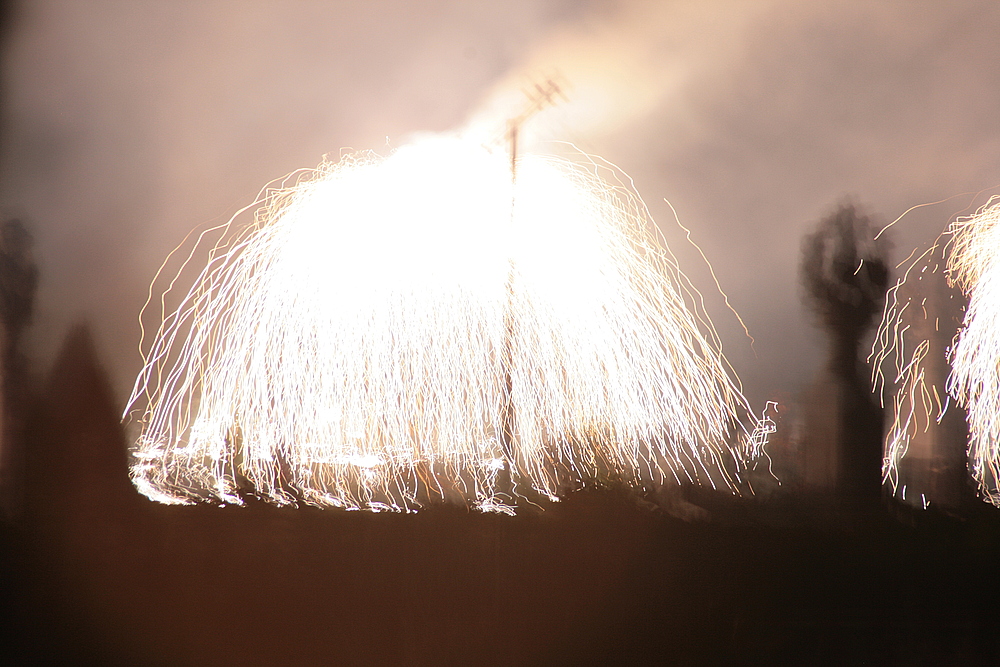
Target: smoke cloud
125,125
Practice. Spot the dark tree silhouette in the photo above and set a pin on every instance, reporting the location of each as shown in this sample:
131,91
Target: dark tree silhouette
845,272
18,280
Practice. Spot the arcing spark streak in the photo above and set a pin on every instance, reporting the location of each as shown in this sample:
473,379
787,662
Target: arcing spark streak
390,332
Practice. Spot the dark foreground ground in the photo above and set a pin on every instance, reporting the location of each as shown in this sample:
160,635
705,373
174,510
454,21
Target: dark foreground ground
92,573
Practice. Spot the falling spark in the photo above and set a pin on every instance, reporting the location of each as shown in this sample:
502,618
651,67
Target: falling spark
911,341
930,374
974,266
391,332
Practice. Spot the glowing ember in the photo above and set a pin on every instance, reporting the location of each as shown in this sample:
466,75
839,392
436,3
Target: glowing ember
391,332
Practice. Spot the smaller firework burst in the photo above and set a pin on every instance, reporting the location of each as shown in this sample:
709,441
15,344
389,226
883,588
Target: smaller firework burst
974,266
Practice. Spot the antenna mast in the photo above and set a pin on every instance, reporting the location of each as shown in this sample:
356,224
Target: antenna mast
539,96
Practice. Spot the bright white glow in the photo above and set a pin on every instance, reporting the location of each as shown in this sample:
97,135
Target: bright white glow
974,265
391,332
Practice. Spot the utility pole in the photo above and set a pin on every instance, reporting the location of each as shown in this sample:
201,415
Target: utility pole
540,96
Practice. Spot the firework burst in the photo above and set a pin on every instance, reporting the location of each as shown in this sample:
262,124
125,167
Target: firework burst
391,332
940,330
974,266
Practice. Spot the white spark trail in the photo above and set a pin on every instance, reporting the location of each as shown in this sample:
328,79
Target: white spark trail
974,265
392,332
903,341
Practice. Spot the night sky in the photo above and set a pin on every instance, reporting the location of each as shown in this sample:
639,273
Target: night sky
128,124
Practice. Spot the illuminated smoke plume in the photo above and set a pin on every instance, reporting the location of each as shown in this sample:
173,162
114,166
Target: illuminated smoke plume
391,332
974,266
